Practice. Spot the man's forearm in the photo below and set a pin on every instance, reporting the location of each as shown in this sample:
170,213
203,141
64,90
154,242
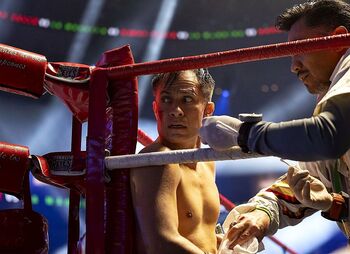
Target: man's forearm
321,137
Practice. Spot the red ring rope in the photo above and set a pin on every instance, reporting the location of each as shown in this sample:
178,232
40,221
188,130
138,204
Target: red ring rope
231,56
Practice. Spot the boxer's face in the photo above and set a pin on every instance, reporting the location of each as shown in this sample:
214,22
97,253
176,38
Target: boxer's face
313,69
179,109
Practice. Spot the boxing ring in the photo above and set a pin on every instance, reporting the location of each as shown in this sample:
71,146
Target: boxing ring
106,96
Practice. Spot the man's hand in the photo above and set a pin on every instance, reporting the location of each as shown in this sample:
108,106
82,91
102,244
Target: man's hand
219,238
309,191
220,132
248,225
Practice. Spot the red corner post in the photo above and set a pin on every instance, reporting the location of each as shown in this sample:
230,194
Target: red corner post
109,212
95,198
121,138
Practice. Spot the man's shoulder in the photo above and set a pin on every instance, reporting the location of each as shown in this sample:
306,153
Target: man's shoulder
155,147
158,147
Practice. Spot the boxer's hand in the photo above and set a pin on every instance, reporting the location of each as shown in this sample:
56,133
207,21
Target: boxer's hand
309,191
220,132
248,225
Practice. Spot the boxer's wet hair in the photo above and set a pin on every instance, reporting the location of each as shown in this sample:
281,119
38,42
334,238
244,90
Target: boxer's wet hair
205,80
327,13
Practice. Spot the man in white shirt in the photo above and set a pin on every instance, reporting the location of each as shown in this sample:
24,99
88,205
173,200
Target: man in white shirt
322,181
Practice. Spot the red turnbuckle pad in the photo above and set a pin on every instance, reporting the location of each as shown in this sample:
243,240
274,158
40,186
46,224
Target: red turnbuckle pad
70,83
61,169
14,163
21,72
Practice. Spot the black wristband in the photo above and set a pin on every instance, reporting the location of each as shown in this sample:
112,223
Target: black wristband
248,120
243,135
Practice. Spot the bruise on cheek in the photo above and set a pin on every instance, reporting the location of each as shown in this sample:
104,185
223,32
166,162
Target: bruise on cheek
160,114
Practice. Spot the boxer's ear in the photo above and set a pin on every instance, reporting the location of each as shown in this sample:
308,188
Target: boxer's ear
155,109
209,108
337,31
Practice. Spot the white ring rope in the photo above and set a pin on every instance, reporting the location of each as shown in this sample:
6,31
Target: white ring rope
176,156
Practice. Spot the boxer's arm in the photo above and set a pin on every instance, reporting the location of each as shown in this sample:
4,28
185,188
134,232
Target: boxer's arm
325,136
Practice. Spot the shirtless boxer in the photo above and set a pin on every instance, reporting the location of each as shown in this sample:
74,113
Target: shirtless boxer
177,205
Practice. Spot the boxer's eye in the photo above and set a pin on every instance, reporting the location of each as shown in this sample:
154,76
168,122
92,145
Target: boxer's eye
165,99
187,99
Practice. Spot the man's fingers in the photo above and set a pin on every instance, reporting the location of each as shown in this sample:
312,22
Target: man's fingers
290,174
300,184
234,233
299,188
243,237
233,224
307,191
241,232
294,176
